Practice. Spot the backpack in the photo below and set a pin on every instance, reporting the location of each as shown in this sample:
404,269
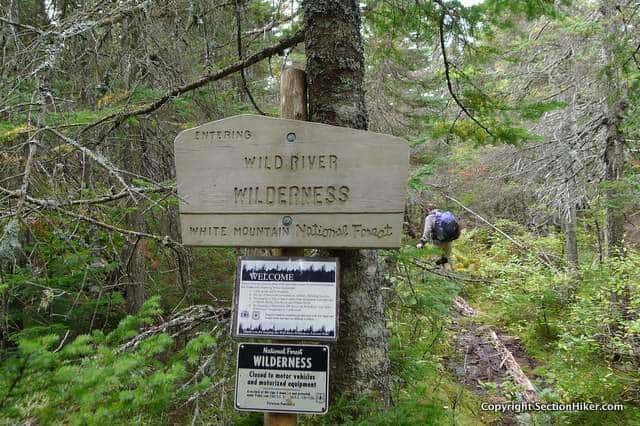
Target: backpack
446,227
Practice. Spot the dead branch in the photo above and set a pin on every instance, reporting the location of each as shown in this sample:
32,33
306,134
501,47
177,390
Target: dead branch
48,203
101,160
22,26
53,205
436,270
165,240
463,308
529,393
180,323
265,53
271,25
543,256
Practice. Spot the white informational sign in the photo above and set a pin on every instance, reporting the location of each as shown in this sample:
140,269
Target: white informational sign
282,378
286,298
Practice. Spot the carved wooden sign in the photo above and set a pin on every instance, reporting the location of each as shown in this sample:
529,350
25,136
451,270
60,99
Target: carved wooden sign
254,181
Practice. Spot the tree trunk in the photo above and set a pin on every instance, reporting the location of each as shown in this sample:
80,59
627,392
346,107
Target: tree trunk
614,161
335,77
136,156
569,226
136,272
616,92
335,63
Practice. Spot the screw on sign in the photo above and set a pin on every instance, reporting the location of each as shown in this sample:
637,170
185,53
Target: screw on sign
287,220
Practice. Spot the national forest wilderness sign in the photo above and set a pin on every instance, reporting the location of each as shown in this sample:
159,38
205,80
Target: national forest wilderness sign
282,378
254,181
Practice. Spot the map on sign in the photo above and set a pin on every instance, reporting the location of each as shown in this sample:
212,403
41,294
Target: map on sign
254,181
282,378
286,298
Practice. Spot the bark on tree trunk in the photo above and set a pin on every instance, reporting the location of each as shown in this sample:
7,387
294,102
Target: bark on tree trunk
570,239
614,160
335,77
616,93
136,272
136,156
335,63
614,148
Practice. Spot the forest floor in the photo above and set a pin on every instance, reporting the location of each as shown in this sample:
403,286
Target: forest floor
480,364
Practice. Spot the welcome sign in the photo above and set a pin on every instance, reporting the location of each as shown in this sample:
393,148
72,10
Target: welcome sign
286,298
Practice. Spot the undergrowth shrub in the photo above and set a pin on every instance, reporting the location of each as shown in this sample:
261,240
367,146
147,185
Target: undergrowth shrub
93,381
583,329
424,392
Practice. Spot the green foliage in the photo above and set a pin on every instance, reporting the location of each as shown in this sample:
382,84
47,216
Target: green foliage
411,408
89,377
581,328
621,194
417,178
529,9
197,345
93,380
424,392
535,110
65,286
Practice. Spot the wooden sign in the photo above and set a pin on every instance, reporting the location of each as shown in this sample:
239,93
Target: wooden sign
286,298
254,181
282,378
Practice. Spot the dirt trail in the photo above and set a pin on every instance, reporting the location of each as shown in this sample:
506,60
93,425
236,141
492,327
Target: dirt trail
485,359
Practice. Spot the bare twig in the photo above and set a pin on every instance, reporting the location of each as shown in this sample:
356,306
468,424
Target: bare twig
436,270
22,26
101,160
271,25
64,339
52,203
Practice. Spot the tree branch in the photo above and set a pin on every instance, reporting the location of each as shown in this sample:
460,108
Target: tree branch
265,53
22,26
52,203
245,86
271,25
447,71
181,322
101,160
543,257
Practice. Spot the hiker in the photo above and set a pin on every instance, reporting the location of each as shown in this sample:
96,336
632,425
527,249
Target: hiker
440,229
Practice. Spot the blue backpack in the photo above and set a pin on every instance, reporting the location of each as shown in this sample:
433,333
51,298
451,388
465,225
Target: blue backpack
446,227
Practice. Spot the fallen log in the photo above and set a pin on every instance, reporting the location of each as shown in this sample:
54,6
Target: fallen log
463,308
529,392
